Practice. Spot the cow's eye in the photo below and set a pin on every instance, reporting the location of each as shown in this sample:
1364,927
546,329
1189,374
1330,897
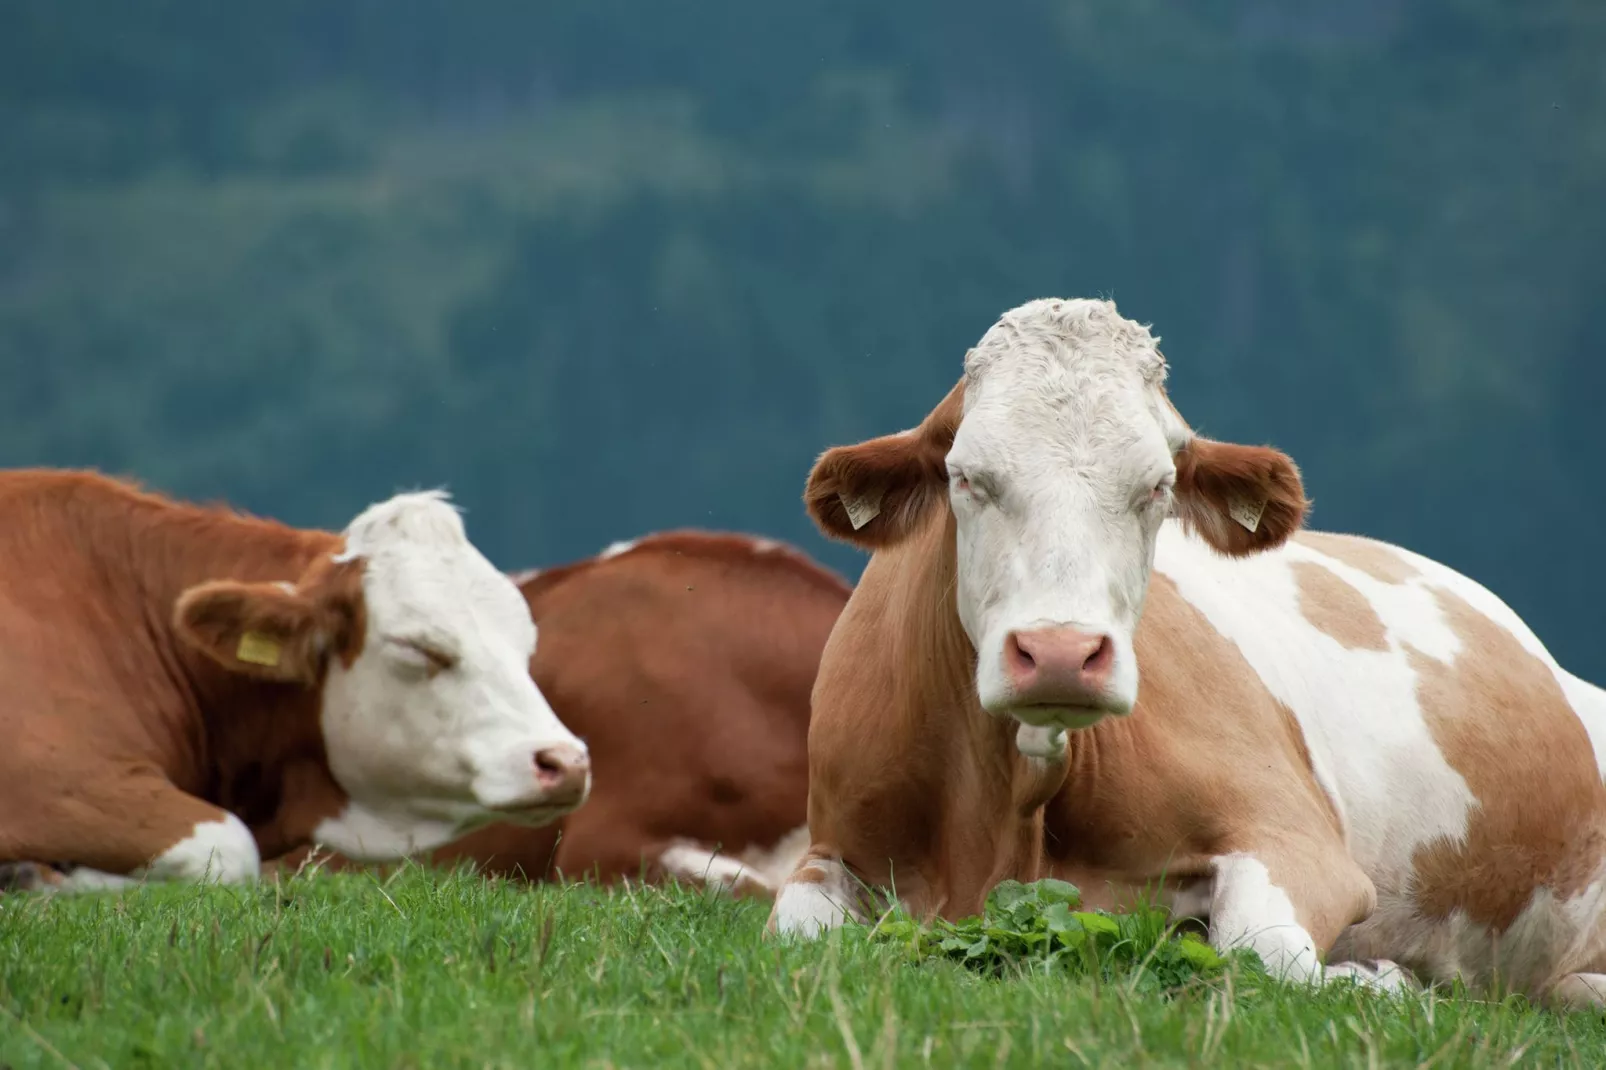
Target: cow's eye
976,487
422,656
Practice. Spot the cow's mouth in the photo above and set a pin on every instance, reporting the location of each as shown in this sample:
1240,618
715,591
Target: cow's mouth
1070,718
532,816
536,814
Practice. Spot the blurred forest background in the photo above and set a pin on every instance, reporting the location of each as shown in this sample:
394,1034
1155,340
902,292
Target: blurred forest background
609,267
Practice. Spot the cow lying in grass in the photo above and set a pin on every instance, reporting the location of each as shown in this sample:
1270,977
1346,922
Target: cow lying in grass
1340,750
188,690
685,661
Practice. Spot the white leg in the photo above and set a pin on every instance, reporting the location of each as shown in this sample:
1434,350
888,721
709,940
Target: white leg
1382,974
217,851
1579,991
222,851
1248,910
818,897
756,871
692,862
84,879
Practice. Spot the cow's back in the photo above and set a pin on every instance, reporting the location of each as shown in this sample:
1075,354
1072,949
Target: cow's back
686,664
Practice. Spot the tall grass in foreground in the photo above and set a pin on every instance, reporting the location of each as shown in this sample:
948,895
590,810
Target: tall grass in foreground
427,969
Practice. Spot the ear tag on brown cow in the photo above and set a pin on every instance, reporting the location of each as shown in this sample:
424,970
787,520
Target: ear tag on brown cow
1246,512
861,510
258,649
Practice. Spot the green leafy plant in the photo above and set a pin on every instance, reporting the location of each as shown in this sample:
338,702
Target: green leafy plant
1040,926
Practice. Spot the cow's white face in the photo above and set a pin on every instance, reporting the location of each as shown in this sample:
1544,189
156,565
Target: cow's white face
1060,474
438,716
1059,457
431,722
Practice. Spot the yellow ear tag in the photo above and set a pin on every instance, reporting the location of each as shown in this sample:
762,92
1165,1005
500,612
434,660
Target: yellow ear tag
1246,512
861,510
258,649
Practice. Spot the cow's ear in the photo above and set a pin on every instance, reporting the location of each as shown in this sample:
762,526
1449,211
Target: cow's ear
875,493
1240,499
264,630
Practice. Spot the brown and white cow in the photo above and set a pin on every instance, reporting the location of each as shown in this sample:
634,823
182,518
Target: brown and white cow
185,690
685,661
1340,750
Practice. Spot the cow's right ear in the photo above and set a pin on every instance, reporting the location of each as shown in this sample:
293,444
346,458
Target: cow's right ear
265,630
877,492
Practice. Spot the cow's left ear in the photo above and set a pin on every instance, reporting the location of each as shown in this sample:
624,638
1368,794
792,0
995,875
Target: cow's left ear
1240,499
264,630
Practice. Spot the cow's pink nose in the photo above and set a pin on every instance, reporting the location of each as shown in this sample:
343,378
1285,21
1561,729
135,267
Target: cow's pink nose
1058,666
562,771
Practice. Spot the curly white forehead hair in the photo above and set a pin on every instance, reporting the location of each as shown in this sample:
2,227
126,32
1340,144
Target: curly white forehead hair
1043,336
427,517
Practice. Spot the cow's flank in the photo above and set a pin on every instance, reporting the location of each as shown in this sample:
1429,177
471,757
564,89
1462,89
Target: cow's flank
1540,819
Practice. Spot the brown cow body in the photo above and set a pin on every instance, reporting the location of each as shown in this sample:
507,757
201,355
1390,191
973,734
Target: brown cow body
685,661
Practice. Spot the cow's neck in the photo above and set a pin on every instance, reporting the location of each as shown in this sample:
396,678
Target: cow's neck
263,756
257,748
170,548
993,796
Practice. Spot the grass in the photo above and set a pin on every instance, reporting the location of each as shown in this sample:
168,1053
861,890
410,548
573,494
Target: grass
428,969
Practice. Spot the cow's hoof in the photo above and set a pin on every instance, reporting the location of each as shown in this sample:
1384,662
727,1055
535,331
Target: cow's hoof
1382,975
27,877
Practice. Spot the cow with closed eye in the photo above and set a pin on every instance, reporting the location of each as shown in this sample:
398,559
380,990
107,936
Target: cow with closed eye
185,691
684,660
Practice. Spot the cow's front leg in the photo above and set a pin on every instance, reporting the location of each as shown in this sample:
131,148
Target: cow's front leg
123,828
1289,904
821,894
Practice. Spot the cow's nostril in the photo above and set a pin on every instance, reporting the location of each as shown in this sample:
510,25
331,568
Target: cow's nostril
558,766
1099,661
1019,656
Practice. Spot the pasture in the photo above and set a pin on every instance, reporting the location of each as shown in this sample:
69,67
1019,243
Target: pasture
432,969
